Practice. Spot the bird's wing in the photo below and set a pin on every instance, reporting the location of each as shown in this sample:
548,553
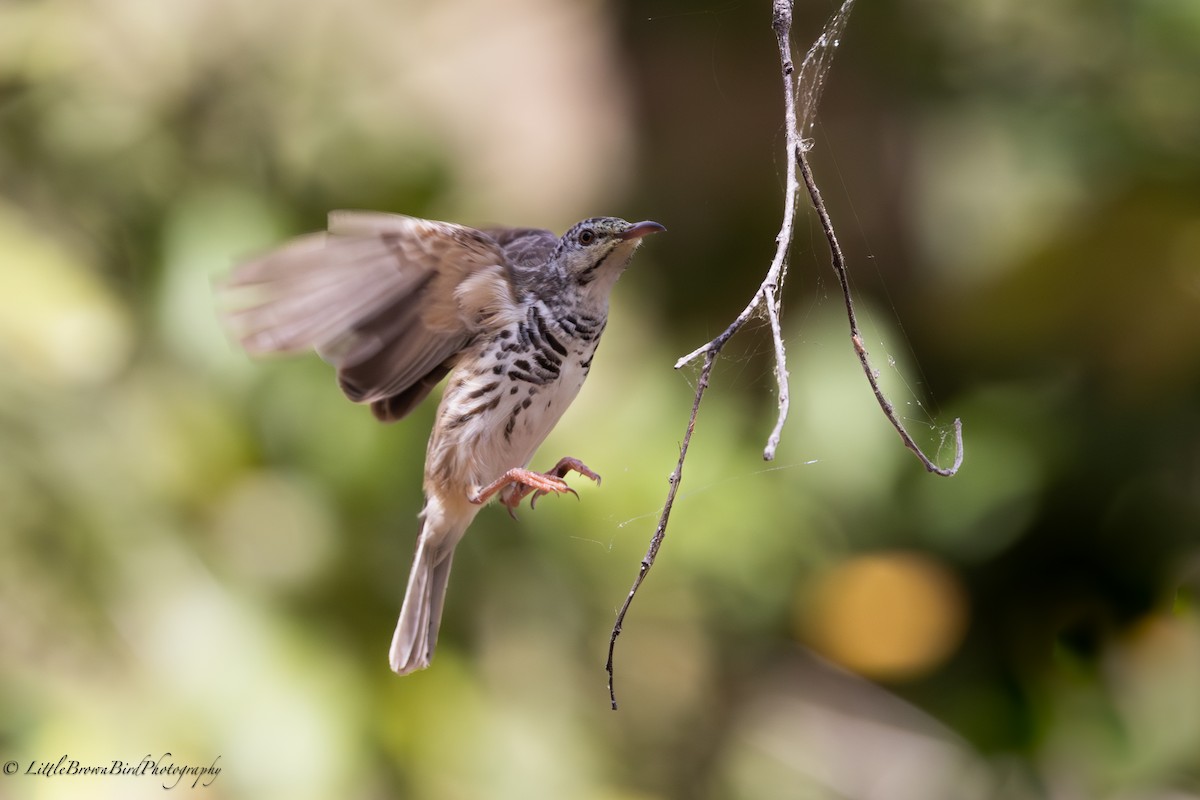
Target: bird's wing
524,247
387,299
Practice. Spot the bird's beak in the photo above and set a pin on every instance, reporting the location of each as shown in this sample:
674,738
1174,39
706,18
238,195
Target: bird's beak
640,229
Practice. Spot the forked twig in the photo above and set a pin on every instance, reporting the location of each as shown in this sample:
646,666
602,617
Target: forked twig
768,295
768,292
809,83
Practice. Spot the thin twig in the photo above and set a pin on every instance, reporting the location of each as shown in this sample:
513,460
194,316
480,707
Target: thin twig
767,294
839,267
808,84
771,289
781,372
661,531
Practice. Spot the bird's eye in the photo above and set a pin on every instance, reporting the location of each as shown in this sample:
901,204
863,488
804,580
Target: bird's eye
587,236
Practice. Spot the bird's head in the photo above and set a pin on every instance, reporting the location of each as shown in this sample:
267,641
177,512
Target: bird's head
595,252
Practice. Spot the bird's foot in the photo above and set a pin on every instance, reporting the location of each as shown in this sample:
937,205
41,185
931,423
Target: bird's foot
565,464
518,483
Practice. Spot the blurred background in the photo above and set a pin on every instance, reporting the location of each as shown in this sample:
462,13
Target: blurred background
204,555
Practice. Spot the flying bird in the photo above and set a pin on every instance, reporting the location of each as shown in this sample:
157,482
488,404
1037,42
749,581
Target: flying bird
397,303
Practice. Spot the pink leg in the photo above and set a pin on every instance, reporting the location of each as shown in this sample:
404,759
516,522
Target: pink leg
515,484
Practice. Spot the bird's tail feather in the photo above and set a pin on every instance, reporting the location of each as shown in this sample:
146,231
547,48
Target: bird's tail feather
421,615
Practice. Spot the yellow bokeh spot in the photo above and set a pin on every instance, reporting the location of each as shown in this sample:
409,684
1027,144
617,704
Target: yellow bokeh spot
889,616
58,321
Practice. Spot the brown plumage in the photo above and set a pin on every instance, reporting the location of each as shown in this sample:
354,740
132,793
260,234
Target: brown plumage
396,304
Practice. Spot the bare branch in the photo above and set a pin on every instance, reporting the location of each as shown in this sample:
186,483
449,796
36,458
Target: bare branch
808,85
661,531
769,291
767,295
781,372
839,267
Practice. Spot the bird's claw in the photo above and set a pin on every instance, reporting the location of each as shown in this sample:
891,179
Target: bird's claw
542,492
569,464
518,483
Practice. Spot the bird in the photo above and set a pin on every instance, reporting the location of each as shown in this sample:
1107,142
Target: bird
396,304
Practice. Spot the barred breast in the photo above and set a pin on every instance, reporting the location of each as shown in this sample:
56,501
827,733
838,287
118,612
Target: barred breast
507,394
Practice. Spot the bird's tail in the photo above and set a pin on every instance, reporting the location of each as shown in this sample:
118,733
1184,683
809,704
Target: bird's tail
421,615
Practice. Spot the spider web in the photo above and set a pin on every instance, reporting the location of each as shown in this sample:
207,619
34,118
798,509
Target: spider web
809,85
814,69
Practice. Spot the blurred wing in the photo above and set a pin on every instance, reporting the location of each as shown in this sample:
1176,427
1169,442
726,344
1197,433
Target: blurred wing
387,299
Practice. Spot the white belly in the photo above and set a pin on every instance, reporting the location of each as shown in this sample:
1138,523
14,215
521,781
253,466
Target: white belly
491,419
